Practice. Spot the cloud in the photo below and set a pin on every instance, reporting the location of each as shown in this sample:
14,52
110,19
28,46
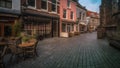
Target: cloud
92,5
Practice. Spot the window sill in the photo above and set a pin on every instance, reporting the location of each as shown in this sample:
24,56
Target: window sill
31,7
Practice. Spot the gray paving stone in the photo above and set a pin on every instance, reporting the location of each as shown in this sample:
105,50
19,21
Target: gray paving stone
84,51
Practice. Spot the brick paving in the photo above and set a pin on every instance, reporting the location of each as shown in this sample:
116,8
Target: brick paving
84,51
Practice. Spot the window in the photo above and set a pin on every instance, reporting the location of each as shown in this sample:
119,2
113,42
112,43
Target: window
80,15
44,4
64,13
68,3
6,3
54,5
83,16
71,16
31,3
63,27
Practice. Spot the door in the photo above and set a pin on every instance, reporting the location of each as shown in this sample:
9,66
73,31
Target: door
68,28
7,30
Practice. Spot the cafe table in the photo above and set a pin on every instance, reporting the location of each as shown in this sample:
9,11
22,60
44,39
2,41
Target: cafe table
25,45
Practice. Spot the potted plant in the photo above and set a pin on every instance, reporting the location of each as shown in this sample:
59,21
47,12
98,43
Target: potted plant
17,28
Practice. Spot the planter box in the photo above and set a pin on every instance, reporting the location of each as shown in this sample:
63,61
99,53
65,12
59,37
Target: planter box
77,33
71,34
64,34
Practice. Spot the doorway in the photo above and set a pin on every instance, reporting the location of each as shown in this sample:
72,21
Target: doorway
7,30
68,28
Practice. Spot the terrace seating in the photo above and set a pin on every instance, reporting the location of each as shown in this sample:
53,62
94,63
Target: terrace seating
2,53
29,48
15,50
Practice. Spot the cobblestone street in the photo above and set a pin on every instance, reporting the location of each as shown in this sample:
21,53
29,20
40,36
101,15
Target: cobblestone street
84,51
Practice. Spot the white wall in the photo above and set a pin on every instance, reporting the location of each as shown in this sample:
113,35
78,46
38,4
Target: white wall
16,4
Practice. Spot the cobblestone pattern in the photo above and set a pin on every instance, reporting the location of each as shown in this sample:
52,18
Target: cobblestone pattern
83,51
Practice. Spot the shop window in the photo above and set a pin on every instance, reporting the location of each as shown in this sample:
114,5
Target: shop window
44,4
31,3
71,16
63,27
64,13
6,3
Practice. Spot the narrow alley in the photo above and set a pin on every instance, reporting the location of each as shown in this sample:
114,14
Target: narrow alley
84,51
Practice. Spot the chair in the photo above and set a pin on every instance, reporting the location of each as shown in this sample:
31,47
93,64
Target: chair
15,50
31,50
2,53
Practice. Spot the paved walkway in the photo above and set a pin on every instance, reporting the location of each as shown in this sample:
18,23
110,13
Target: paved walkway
83,51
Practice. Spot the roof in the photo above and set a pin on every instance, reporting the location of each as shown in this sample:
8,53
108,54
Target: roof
92,14
80,6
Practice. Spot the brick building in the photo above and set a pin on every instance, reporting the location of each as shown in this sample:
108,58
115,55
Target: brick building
41,17
92,20
67,17
81,18
9,15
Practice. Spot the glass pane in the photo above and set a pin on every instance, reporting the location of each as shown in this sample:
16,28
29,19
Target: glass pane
64,13
53,1
31,3
2,3
44,5
54,7
8,5
64,27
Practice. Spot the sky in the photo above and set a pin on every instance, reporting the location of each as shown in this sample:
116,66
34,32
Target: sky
92,5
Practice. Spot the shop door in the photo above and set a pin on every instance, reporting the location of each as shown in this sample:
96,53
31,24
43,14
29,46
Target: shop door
7,30
68,28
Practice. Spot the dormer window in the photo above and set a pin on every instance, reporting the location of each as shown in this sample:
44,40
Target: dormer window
6,3
31,3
